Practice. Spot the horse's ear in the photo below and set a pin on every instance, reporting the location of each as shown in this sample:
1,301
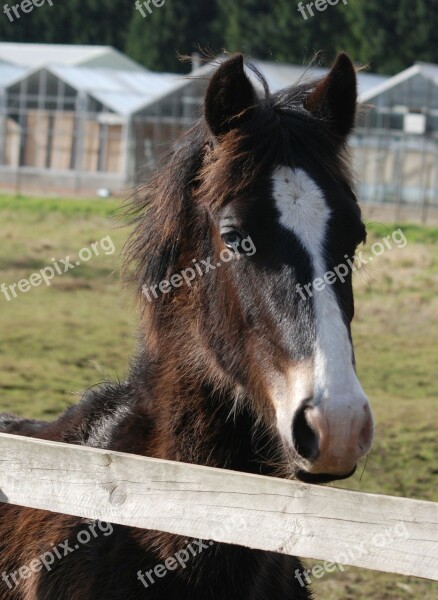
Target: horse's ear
229,96
335,96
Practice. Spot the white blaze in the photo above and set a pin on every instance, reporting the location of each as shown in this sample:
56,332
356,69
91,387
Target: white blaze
304,212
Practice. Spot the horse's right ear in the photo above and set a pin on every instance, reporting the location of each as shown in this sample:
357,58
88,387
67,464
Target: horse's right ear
229,96
335,96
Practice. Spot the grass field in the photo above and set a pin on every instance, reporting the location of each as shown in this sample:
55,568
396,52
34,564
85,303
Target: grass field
58,340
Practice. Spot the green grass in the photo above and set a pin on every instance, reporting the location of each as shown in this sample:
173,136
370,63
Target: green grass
65,206
415,233
58,340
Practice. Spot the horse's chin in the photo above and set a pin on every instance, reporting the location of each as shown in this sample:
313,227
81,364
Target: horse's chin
319,478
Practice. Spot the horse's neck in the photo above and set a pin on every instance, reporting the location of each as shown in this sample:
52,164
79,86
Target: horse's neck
195,423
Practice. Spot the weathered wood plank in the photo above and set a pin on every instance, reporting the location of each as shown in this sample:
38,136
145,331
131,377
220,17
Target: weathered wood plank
395,535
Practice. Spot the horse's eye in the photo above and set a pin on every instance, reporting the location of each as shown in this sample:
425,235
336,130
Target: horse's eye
232,239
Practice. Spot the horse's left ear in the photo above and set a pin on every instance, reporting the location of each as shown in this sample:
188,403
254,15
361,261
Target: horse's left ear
229,96
335,97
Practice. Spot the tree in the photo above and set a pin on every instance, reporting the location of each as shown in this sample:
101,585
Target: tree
278,31
389,35
397,33
176,28
100,22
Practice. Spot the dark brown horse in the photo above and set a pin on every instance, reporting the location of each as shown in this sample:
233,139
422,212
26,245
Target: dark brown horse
245,358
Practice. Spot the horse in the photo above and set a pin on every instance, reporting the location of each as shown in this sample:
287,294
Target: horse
245,358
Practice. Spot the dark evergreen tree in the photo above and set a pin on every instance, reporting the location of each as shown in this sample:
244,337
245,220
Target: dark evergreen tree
393,35
389,35
100,22
279,30
175,29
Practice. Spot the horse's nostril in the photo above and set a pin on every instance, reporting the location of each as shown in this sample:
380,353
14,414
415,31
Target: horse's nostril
304,437
366,433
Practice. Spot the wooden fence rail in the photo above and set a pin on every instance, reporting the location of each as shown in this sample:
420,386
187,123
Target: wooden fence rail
395,535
